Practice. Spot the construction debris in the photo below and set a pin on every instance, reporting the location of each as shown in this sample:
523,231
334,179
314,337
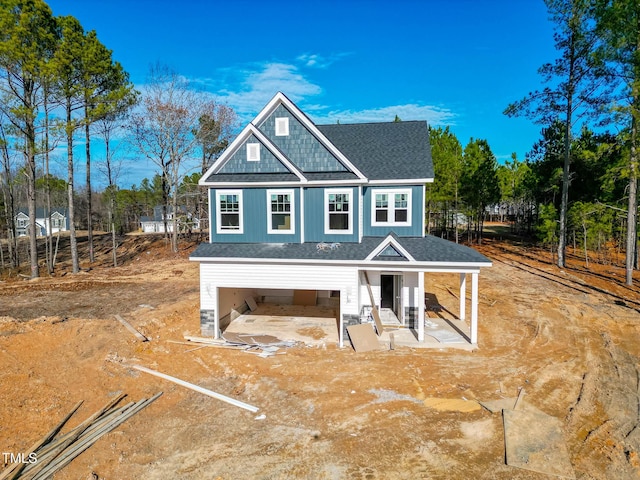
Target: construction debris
534,441
197,388
251,303
262,345
51,453
129,327
374,308
363,338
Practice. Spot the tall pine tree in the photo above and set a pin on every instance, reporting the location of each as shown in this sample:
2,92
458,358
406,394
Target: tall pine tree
575,90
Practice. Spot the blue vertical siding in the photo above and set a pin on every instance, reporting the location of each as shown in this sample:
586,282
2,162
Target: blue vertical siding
254,211
417,200
314,214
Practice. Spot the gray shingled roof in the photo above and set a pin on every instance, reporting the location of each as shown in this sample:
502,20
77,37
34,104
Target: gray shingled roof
423,249
253,177
381,151
384,151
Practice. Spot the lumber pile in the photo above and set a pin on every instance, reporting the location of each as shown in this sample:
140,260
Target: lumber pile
53,452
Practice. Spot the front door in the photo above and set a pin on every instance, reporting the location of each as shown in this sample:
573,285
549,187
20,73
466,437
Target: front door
391,294
387,294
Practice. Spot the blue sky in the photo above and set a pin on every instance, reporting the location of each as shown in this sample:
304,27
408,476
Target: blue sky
449,62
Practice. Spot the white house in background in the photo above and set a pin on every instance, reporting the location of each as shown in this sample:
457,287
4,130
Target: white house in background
59,222
335,209
155,224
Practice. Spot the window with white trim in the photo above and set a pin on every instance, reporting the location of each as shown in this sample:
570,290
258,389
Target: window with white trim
22,222
338,206
280,211
282,126
229,211
253,152
56,222
391,207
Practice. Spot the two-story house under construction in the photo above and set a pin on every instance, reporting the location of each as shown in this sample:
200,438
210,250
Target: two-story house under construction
336,209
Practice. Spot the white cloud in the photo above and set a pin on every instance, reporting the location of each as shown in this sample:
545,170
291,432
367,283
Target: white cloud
248,88
259,85
434,115
314,60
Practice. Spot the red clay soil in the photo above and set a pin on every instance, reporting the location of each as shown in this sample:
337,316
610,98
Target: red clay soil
570,337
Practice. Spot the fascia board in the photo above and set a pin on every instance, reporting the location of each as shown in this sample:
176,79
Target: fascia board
403,181
314,183
469,267
269,108
229,151
252,184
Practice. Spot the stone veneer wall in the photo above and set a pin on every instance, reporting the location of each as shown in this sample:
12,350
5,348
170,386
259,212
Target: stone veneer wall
207,323
348,320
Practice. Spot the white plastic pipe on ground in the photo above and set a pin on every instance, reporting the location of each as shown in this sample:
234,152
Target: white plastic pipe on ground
191,386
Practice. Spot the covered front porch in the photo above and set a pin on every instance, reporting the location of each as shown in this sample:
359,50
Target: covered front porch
407,303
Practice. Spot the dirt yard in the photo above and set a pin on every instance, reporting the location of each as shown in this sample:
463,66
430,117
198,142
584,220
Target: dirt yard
570,338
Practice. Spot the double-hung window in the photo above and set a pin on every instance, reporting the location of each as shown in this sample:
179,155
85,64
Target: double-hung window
280,211
229,211
391,207
338,204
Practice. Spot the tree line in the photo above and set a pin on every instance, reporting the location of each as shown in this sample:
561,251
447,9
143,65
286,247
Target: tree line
578,184
60,86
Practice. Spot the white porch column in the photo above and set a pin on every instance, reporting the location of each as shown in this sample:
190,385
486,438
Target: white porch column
463,295
343,294
474,308
421,306
216,316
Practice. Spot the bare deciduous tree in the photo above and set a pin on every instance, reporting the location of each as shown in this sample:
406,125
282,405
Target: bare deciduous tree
164,131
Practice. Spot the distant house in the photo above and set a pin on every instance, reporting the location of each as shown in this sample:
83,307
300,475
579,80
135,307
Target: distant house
155,223
337,209
59,222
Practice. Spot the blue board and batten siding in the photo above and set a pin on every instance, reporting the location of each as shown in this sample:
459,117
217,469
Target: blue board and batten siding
417,202
315,216
254,214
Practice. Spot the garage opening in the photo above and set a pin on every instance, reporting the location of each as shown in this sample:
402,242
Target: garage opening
308,316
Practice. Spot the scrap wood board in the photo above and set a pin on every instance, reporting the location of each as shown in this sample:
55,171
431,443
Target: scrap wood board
129,327
374,308
363,338
250,339
534,441
251,303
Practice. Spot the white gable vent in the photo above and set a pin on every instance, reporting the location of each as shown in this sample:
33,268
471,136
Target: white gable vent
282,126
253,152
